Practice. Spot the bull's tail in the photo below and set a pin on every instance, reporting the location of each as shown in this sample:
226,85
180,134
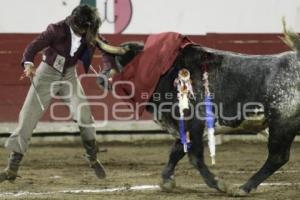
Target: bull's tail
291,39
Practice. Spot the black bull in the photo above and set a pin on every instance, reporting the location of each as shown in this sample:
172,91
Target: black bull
238,81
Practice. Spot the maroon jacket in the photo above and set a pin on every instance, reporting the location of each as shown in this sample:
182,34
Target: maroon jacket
56,40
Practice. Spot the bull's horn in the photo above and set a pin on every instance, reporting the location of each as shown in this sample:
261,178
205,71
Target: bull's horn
290,38
111,49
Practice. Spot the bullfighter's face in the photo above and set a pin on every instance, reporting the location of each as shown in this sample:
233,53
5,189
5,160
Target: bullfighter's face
80,31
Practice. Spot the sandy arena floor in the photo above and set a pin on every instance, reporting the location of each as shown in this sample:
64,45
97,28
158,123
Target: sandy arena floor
60,172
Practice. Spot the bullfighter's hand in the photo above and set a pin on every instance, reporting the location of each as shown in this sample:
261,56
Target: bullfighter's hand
112,73
29,70
106,81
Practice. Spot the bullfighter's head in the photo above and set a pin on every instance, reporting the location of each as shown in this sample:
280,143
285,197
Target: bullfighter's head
85,21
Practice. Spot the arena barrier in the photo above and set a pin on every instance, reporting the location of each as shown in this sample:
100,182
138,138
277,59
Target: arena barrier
123,131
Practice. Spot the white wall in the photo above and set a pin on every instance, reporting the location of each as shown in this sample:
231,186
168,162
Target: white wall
200,16
153,16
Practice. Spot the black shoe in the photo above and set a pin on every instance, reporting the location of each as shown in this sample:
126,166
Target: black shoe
11,171
8,175
92,150
98,168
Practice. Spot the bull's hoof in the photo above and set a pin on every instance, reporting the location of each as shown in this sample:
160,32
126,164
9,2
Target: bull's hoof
167,185
223,186
237,192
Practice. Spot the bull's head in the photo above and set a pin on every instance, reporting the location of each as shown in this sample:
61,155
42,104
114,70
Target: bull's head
134,48
123,55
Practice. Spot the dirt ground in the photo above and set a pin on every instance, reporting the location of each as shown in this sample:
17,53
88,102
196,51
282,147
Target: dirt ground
59,172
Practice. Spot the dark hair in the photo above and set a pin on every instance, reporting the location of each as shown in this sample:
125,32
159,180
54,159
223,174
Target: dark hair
85,18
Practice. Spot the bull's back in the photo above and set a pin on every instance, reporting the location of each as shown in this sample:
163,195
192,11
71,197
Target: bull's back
245,83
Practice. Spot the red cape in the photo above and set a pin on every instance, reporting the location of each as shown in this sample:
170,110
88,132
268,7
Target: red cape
145,70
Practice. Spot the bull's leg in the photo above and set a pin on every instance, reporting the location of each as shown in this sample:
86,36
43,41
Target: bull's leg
280,140
176,154
196,156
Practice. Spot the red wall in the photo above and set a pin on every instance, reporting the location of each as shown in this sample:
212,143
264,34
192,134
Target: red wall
13,91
